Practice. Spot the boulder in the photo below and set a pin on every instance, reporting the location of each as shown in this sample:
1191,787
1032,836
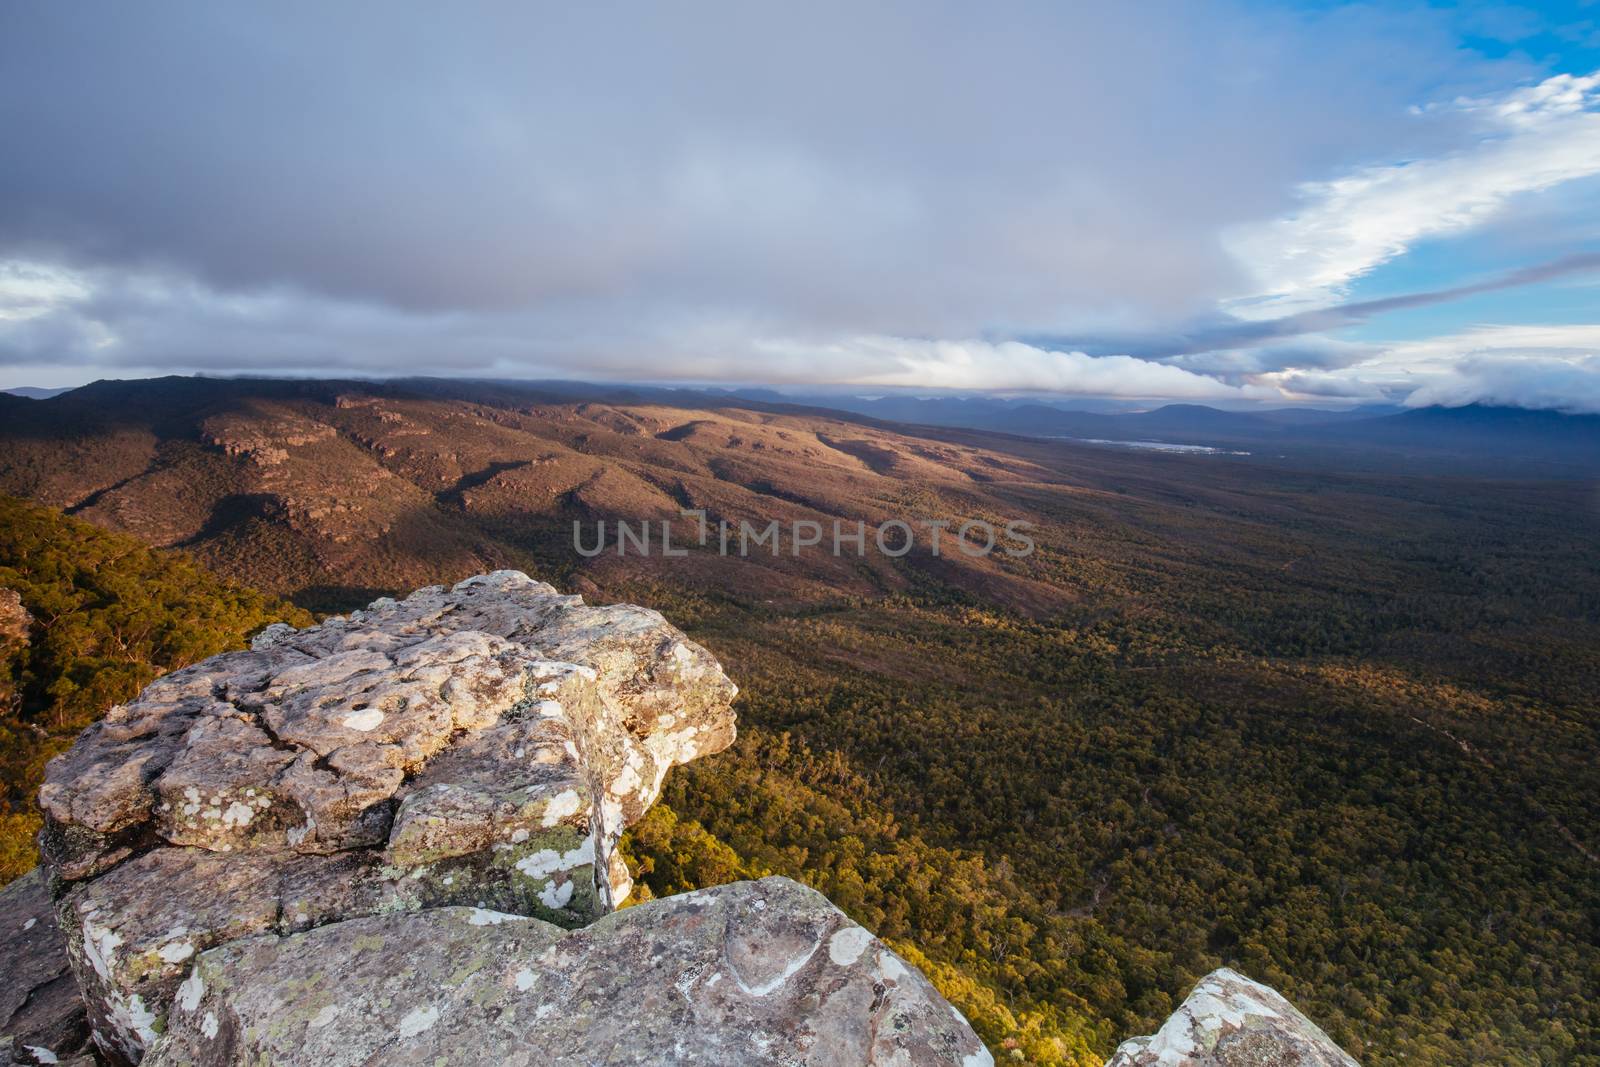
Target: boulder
765,972
41,1015
1230,1021
484,745
16,629
15,622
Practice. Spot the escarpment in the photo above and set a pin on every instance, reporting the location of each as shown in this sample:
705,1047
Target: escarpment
392,837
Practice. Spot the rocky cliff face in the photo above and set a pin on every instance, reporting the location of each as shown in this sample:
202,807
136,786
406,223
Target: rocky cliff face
14,619
415,804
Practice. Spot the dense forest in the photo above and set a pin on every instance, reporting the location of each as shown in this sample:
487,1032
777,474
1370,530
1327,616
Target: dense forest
104,615
1073,828
1375,790
1338,729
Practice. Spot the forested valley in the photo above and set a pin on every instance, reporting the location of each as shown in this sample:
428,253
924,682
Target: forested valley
1339,731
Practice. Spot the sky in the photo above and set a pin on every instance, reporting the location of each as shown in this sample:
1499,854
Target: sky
1235,203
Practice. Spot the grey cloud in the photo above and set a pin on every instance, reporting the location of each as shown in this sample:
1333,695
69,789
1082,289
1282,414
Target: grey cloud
1310,383
909,169
1307,353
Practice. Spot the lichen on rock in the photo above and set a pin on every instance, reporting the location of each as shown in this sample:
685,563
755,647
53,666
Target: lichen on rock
752,973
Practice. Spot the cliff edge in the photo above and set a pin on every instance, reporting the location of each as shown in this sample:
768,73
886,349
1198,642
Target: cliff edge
392,838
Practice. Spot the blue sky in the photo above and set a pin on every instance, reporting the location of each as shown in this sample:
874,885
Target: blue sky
1178,201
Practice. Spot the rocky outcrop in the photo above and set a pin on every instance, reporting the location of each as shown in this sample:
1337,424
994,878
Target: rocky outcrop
16,627
15,621
752,973
1230,1021
41,1015
484,746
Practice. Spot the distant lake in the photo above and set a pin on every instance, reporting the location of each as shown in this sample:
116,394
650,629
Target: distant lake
1154,446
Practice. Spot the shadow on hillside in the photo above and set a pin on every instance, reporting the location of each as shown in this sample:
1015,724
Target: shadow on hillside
337,599
453,497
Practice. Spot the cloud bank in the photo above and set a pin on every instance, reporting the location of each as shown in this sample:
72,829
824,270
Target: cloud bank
885,195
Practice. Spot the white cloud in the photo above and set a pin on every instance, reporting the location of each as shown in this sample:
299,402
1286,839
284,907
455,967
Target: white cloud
113,322
944,364
28,290
1537,137
1547,367
1570,385
1555,367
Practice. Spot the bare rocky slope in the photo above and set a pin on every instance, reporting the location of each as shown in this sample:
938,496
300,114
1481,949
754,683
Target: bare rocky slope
390,838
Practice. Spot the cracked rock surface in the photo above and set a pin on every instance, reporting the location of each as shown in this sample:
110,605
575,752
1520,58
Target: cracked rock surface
482,745
752,973
1230,1021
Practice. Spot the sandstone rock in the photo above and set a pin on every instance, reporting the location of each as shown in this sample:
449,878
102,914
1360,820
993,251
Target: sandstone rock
15,622
16,632
263,436
1230,1021
753,973
484,745
41,1014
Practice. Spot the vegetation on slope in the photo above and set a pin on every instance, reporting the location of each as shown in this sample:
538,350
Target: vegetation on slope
108,615
1073,826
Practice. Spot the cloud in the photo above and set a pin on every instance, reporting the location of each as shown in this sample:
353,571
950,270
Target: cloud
1310,352
1570,385
1546,367
118,323
897,194
1009,365
1224,341
902,168
1535,138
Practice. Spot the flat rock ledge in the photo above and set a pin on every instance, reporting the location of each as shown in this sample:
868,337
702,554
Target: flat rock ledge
484,746
752,973
1230,1021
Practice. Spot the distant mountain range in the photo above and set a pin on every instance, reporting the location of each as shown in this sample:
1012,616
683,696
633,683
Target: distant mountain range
33,393
1513,439
1498,441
